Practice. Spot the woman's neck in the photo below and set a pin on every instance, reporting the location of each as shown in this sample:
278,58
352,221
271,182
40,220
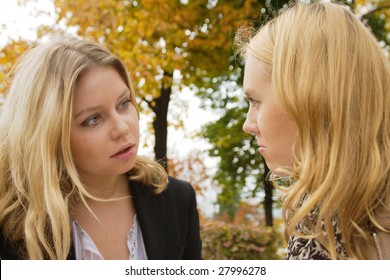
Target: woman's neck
113,192
108,187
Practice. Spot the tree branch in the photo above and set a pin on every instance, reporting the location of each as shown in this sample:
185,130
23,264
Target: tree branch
149,103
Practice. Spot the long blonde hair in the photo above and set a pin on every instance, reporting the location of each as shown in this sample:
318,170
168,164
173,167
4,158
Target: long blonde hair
330,74
38,178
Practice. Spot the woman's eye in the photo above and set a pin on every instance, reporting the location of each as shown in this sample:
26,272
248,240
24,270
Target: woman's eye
252,102
91,121
124,104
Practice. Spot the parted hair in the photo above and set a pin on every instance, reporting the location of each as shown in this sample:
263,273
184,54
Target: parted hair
331,76
38,177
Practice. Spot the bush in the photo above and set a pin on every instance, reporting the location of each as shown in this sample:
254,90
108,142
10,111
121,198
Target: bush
226,241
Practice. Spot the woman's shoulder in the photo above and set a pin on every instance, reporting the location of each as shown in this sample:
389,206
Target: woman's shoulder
380,245
177,197
179,189
175,188
178,185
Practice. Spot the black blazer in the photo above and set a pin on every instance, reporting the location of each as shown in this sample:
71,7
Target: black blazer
169,222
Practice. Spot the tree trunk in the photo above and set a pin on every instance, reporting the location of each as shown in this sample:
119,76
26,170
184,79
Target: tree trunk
160,125
268,200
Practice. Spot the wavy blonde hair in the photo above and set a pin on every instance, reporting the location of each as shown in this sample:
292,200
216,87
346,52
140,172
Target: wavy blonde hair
330,74
38,178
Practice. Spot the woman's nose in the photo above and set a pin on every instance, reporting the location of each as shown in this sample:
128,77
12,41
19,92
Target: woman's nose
120,128
250,124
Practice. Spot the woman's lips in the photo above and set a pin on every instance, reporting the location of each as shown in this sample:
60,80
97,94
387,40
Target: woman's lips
262,149
124,153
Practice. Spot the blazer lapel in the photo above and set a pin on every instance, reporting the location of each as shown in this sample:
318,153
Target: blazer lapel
151,216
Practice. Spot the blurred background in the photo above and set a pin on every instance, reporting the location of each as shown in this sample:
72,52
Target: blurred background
180,55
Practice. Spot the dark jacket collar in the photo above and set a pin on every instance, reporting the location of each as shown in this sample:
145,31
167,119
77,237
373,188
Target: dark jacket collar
150,211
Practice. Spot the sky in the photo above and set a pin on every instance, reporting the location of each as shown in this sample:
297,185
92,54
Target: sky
19,22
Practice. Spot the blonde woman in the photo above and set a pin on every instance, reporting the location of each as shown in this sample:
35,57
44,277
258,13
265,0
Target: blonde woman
319,91
71,183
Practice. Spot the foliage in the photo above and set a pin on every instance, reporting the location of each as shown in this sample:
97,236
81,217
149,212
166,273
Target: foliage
8,54
157,37
191,169
227,241
239,166
375,14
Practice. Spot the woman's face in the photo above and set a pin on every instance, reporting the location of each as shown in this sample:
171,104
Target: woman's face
275,131
105,133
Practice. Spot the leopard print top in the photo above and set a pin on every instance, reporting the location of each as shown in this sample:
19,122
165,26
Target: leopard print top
310,249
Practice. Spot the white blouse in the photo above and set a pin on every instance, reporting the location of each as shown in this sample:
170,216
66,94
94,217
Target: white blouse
86,249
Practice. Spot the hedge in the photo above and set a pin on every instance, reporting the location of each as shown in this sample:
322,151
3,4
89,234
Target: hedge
226,241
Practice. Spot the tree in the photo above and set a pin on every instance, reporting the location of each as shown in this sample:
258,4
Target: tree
241,170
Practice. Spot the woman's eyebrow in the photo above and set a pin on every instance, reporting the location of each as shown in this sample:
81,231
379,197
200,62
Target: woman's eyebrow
89,109
124,93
